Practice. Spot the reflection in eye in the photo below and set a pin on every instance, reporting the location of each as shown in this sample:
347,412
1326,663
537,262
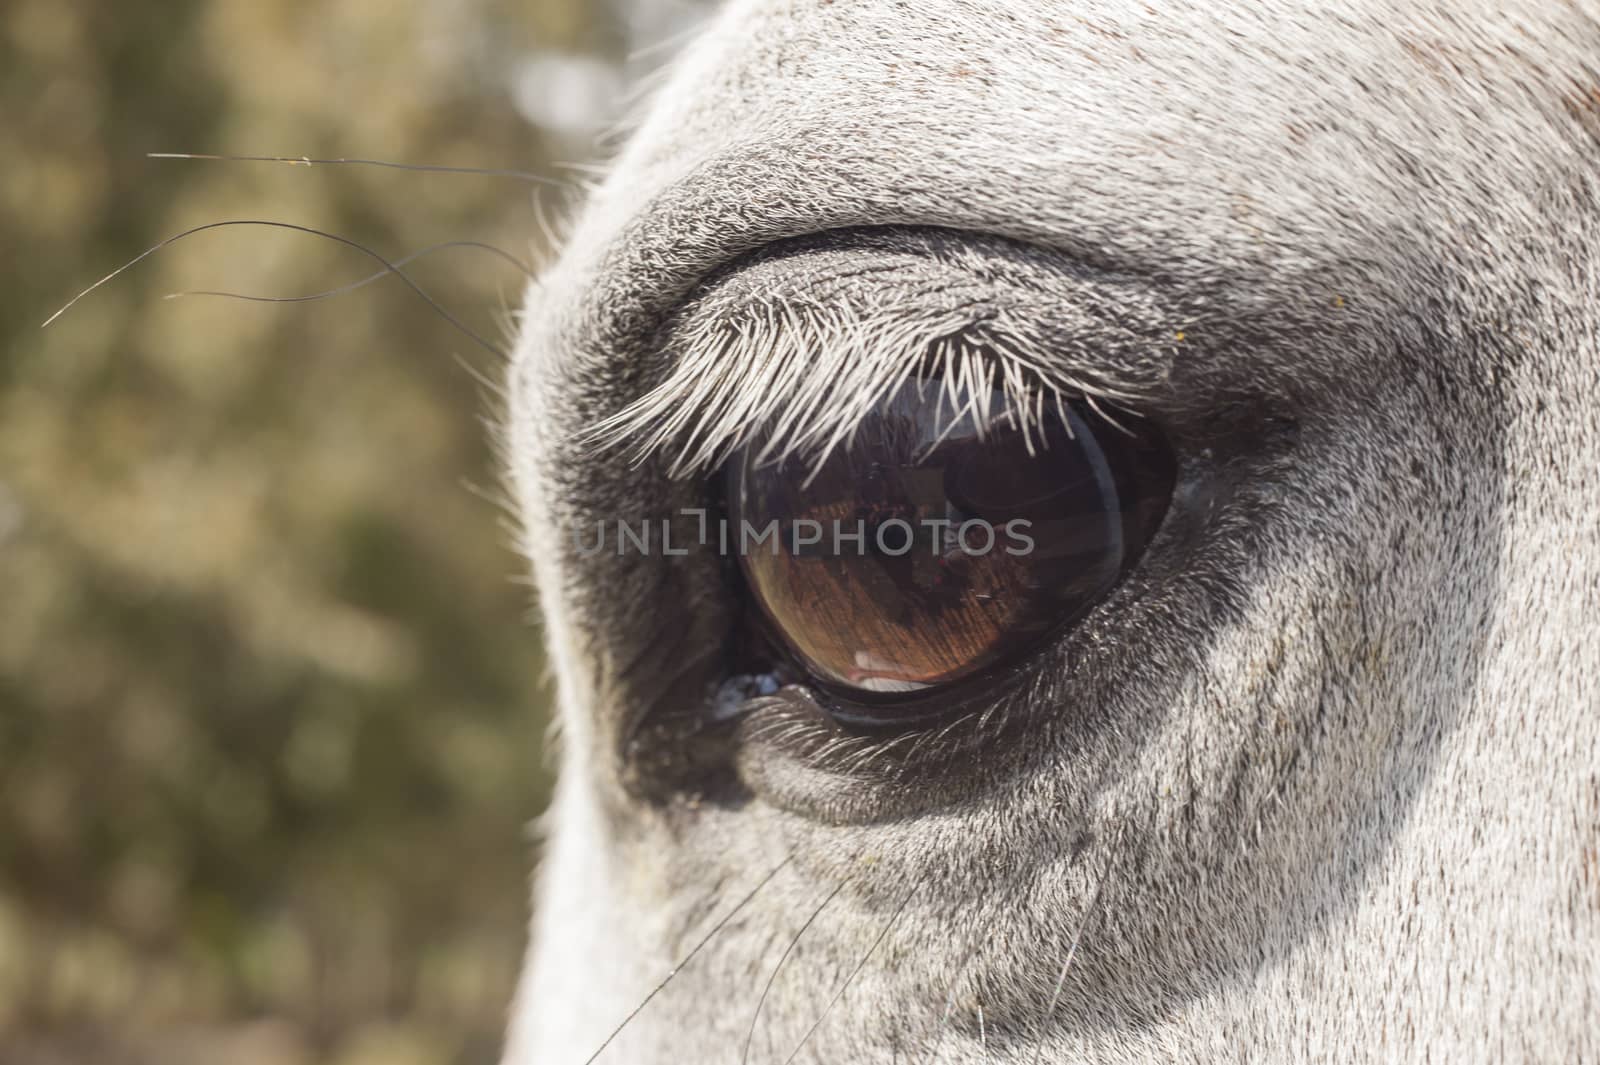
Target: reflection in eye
919,552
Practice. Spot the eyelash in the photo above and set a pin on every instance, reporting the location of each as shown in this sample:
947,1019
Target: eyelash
794,344
698,426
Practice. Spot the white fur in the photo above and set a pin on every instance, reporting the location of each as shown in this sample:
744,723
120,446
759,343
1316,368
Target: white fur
1345,803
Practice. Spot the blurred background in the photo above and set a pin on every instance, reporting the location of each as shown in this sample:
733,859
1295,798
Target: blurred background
271,696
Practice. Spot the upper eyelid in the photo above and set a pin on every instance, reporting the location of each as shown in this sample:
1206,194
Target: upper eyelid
799,341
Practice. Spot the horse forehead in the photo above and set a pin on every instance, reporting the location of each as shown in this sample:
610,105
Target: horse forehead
1113,61
1315,123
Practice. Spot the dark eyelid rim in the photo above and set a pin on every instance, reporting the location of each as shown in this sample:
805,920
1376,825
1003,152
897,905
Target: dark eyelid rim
1027,710
1195,429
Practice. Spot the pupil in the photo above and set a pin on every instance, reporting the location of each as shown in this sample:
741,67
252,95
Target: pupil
918,554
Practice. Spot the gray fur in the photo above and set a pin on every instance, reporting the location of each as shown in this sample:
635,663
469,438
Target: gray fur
1318,782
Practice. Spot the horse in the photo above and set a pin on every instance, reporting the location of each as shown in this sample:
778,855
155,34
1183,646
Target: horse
1312,774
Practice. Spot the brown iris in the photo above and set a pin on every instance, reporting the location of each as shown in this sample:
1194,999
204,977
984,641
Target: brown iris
921,552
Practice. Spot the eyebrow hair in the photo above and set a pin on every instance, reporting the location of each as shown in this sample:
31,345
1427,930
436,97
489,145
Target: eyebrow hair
788,354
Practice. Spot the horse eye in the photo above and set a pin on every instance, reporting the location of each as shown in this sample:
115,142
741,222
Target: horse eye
922,552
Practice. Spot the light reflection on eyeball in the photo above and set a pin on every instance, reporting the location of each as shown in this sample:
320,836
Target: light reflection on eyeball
922,552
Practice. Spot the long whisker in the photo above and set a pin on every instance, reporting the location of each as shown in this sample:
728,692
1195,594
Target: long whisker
667,44
369,279
839,993
1077,938
301,160
744,1059
687,958
388,266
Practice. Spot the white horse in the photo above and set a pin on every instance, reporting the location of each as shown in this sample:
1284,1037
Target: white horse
1317,779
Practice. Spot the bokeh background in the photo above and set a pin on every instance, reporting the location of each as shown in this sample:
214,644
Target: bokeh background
271,698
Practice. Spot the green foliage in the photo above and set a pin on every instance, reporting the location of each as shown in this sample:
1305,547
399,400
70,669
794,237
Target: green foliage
271,707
